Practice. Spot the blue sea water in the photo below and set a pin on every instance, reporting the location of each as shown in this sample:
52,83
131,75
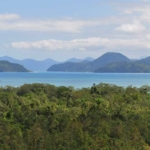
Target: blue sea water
78,80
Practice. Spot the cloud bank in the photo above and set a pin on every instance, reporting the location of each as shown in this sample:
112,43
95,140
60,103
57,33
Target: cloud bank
131,28
15,22
82,44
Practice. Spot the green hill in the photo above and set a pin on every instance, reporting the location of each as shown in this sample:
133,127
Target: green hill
124,67
6,66
108,58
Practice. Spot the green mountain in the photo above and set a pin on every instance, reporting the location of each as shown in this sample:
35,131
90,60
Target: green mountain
6,66
124,67
137,66
108,58
86,66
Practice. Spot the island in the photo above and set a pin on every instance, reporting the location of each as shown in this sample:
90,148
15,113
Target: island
110,62
6,66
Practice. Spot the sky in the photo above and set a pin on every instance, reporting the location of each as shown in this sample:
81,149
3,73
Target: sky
63,29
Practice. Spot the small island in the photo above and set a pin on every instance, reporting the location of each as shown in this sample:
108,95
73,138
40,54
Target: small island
6,66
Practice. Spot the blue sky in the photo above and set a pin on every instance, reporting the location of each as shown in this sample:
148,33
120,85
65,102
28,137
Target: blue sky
41,29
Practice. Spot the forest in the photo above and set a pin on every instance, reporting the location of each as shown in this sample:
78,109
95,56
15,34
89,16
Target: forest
46,117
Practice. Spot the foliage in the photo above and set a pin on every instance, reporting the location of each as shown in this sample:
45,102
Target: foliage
46,117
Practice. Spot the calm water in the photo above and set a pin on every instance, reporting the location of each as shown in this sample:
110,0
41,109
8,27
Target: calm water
77,80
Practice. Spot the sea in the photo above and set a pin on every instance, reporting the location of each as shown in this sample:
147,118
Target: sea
77,80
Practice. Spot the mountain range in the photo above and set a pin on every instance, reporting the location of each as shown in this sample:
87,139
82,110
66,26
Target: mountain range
35,65
31,64
109,62
80,60
91,66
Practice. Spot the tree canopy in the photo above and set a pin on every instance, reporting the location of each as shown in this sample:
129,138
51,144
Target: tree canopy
46,117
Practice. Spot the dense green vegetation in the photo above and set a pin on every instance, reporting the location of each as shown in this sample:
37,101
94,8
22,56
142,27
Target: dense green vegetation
124,67
46,117
6,66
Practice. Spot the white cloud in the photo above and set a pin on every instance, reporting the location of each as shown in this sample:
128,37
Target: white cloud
73,26
148,36
140,12
82,44
65,26
16,23
131,28
9,17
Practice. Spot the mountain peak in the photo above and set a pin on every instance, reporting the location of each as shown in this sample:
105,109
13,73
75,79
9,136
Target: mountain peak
85,66
110,57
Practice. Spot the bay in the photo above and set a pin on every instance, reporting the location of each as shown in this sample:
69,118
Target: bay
77,80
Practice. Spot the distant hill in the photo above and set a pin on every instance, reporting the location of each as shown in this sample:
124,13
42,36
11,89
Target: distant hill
108,62
32,64
10,59
71,67
89,58
35,65
124,67
90,66
145,61
136,66
108,58
6,66
73,60
80,60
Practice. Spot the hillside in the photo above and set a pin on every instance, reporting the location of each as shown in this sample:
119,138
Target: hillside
90,66
6,66
124,67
